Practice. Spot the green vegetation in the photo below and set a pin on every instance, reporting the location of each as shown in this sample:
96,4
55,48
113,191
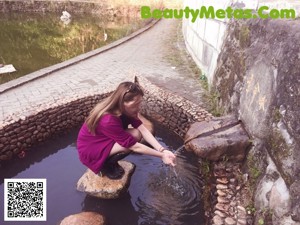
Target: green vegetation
203,80
254,173
264,216
261,221
213,100
250,208
206,174
32,41
205,167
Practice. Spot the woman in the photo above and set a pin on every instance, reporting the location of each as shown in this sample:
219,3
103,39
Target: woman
105,138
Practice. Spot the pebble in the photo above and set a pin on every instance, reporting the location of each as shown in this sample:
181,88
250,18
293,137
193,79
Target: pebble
229,192
229,196
222,207
221,186
233,203
233,181
232,187
241,222
231,211
229,170
242,212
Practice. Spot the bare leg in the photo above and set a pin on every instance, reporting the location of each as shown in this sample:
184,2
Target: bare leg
111,168
118,148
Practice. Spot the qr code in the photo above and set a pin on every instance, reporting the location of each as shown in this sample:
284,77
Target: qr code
25,199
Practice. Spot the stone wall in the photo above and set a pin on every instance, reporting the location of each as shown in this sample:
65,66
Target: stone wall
25,132
257,77
47,120
174,112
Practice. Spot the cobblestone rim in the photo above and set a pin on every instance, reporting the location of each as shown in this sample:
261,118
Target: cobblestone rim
48,70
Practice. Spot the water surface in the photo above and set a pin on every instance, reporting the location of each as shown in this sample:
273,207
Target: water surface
157,194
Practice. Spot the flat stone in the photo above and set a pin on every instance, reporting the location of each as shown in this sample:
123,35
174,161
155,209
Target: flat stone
221,193
103,187
84,218
223,136
222,207
200,128
230,221
222,200
217,220
219,213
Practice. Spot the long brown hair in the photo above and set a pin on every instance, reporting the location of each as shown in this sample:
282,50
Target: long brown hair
125,92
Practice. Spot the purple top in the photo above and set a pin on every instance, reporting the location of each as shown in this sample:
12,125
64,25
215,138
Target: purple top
94,149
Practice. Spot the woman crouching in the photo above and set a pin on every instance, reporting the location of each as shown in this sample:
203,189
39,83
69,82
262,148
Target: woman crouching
105,138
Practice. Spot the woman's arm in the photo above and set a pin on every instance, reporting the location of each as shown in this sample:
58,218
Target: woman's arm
150,138
143,149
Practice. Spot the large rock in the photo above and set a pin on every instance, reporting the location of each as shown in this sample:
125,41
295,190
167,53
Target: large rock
217,138
295,199
103,187
84,218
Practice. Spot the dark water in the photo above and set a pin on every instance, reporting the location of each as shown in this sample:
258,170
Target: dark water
157,194
32,41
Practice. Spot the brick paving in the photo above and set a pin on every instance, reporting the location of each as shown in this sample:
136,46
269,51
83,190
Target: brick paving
145,55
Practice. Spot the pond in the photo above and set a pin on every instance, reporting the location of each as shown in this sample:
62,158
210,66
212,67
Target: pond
32,41
157,194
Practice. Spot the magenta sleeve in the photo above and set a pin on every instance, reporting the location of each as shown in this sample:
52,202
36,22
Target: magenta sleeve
111,126
135,122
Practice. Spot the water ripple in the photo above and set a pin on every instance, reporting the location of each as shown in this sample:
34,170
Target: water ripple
172,195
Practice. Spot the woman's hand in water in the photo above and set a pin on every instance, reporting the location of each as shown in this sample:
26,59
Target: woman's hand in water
168,158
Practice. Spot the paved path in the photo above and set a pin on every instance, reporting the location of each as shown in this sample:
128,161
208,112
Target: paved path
149,55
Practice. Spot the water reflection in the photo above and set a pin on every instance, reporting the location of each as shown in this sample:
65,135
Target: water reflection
117,211
34,41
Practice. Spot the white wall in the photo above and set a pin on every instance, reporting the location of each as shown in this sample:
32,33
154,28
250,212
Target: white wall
204,38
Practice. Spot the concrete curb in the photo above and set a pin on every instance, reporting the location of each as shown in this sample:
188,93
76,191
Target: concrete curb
51,69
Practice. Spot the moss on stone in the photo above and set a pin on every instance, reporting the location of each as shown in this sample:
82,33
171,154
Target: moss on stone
205,171
280,151
276,115
213,100
254,172
244,36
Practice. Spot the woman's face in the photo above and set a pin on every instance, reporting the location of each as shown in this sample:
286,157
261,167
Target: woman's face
132,108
